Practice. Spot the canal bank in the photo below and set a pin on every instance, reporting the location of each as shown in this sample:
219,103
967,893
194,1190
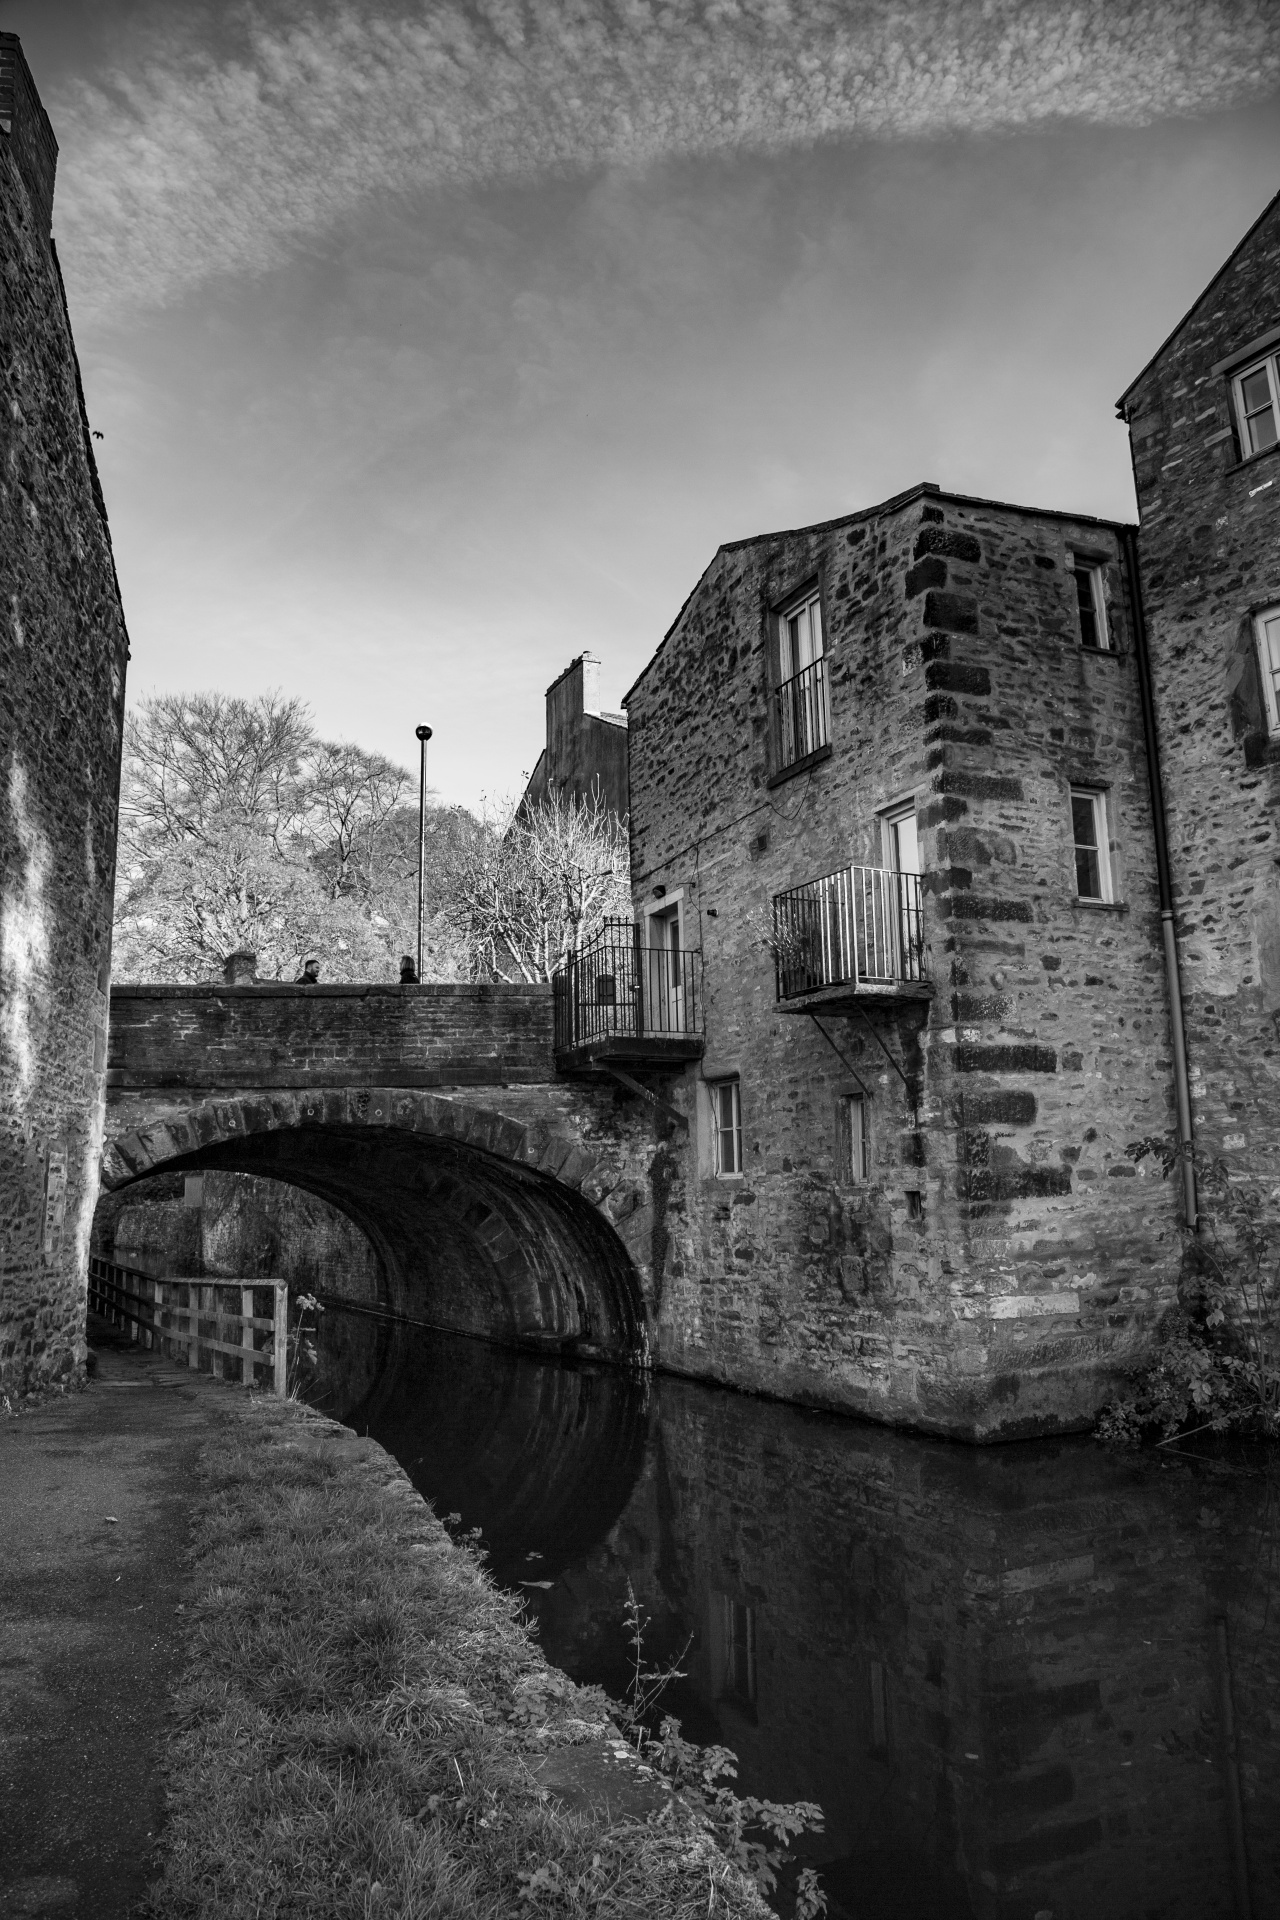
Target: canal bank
252,1671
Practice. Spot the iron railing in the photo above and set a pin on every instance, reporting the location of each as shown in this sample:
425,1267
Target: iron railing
801,722
614,988
860,926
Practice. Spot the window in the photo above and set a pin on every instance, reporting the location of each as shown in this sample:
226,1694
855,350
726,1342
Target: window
1267,627
1257,397
800,719
1089,832
855,1138
1091,603
726,1121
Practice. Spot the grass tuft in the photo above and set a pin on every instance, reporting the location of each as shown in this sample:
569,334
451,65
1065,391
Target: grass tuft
360,1711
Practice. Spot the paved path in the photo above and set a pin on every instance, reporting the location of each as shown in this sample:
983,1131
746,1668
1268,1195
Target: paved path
95,1491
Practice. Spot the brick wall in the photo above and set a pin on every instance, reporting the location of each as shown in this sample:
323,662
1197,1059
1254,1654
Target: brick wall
63,650
957,679
1210,546
349,1036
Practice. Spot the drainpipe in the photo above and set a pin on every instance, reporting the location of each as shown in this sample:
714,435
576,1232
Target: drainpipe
1182,1086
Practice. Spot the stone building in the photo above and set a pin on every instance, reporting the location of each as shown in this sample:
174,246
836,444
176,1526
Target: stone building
889,781
1204,426
63,650
586,750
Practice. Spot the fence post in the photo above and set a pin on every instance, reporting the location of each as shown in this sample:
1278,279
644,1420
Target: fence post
280,1348
246,1335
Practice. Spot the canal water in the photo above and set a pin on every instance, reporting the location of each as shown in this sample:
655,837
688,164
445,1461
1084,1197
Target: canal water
1007,1675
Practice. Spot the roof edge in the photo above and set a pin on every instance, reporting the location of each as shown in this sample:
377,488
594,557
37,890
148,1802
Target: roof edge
1203,294
923,489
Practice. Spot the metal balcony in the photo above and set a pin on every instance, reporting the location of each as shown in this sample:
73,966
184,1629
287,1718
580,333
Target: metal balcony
800,716
856,933
617,1001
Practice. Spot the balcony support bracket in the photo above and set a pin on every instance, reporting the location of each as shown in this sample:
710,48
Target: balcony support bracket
646,1093
912,1093
839,1051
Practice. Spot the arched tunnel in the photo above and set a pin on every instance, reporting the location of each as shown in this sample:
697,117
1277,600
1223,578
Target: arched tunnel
469,1239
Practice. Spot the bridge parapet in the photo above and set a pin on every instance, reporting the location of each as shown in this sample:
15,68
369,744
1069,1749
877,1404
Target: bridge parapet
208,1037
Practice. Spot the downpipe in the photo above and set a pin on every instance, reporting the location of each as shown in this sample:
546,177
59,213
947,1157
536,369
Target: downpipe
1173,974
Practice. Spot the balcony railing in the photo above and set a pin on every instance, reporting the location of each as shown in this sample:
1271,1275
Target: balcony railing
858,927
617,990
800,716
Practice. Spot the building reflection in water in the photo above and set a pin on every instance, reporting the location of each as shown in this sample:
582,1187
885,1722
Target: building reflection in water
1001,1672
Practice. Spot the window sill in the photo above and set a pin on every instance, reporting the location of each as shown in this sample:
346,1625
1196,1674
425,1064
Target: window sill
1102,653
1101,906
1262,750
1252,459
810,760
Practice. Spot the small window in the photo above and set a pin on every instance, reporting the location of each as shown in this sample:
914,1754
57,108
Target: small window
1089,832
726,1119
1091,603
1257,397
1267,627
855,1139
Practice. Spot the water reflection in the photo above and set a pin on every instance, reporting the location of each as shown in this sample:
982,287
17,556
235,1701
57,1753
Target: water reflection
998,1671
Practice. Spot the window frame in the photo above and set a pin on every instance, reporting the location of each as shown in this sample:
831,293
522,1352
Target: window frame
1270,675
1270,364
855,1142
715,1088
1097,572
1098,798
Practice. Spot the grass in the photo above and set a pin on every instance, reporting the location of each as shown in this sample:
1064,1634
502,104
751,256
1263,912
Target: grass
362,1706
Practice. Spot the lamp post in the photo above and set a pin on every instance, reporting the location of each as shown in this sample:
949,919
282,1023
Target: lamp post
424,734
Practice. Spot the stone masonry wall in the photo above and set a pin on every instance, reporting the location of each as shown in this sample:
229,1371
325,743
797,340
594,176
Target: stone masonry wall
63,650
290,1036
1210,546
1041,1258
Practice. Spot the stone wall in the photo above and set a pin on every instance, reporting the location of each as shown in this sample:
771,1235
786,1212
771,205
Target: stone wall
1210,547
291,1036
63,650
1005,1259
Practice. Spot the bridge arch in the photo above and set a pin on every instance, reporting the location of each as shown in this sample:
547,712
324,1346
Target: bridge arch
485,1223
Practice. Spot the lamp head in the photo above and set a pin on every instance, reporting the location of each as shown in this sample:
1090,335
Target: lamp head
423,733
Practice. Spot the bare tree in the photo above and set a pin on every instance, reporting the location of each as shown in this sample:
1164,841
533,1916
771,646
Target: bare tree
532,888
241,829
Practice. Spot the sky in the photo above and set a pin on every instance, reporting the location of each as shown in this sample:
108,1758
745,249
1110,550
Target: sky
432,342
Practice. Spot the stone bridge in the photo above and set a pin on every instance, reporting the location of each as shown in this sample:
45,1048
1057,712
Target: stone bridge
503,1198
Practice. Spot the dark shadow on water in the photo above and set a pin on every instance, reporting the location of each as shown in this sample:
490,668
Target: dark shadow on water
999,1671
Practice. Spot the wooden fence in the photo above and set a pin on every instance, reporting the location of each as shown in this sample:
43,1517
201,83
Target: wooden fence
192,1319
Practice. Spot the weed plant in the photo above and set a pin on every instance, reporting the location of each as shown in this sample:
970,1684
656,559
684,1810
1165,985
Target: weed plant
754,1833
1216,1363
361,1709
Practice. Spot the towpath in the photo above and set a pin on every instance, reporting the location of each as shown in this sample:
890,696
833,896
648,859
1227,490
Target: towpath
95,1491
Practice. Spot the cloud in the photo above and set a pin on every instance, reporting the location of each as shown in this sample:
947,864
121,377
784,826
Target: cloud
213,151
